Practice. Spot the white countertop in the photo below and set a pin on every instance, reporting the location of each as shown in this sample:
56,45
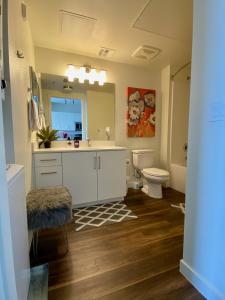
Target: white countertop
12,171
80,149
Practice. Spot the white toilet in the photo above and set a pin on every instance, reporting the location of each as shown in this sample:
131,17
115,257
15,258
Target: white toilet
153,177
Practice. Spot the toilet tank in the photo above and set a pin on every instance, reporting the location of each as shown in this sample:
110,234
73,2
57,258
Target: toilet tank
143,158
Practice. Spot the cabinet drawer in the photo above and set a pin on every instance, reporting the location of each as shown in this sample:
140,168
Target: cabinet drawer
48,159
48,176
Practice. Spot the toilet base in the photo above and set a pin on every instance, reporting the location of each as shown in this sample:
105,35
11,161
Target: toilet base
153,190
134,183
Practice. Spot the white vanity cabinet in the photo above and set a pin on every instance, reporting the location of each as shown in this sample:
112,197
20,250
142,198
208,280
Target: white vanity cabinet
95,176
92,176
79,176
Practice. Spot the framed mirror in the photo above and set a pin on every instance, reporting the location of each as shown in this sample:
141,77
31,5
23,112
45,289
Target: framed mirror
35,89
78,111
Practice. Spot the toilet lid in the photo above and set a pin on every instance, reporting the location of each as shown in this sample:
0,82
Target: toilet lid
156,172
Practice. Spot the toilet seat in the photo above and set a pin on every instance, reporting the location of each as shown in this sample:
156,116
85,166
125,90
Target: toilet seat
155,172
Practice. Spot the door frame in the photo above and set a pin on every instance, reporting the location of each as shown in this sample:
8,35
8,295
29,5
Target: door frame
7,274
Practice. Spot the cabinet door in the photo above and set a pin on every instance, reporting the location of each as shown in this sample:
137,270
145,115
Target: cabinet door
111,174
80,176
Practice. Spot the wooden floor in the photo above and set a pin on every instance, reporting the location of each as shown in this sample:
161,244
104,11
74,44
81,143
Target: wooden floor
136,259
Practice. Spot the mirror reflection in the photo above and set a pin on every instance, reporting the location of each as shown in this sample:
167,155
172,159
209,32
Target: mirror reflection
78,111
34,85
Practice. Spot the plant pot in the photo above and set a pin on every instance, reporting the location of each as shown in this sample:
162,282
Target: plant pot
47,144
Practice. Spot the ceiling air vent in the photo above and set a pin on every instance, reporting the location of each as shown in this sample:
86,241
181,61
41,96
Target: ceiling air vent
67,88
76,25
146,52
106,52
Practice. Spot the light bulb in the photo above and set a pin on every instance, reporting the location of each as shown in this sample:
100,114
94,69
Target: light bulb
102,77
82,75
92,76
71,73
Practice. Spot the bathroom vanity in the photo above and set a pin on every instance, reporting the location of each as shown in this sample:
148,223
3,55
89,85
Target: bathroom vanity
92,174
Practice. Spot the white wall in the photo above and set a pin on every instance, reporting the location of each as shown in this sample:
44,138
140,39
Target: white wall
7,275
20,39
204,243
165,119
180,98
55,62
6,104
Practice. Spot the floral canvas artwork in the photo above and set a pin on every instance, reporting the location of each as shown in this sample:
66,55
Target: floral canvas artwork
141,112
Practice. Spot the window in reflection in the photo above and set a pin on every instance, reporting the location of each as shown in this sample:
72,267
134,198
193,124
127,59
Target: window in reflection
67,116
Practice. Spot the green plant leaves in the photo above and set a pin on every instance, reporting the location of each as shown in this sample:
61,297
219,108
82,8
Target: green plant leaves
47,135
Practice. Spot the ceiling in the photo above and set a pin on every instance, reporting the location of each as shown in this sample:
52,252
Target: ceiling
122,25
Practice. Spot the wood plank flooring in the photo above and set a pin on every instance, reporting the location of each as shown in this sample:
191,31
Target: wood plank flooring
136,259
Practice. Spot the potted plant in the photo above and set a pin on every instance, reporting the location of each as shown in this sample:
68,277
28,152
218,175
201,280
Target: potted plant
47,136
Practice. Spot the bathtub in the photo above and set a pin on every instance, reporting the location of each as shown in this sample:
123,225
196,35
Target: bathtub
178,176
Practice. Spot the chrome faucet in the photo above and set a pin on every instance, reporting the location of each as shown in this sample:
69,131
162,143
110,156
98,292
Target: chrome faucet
89,142
107,132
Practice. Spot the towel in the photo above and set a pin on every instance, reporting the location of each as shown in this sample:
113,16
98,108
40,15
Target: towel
34,121
42,117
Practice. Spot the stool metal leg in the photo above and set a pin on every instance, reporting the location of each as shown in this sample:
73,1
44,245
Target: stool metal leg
65,235
36,249
35,243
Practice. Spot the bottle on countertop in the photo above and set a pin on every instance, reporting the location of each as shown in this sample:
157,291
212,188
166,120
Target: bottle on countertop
69,141
76,143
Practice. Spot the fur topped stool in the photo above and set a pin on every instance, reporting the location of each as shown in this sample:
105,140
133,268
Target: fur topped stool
48,208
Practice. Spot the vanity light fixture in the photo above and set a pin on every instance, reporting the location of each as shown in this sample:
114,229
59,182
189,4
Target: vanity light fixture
102,77
92,76
71,73
81,74
86,73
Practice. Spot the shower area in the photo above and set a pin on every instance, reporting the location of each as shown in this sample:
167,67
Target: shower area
179,114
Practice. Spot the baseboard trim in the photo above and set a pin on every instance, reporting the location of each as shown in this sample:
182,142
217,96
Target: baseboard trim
200,283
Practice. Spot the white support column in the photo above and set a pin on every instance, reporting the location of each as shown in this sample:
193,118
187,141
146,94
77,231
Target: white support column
165,119
203,260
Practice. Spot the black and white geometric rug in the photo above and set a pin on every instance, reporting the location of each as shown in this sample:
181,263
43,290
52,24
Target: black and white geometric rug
98,215
181,206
